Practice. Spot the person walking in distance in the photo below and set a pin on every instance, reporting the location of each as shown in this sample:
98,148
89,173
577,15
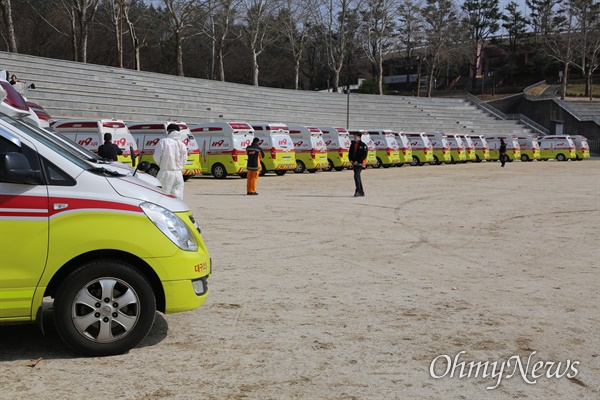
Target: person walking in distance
255,154
357,154
502,152
109,150
171,156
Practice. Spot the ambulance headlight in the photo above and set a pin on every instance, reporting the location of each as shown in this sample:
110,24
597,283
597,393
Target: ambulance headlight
171,225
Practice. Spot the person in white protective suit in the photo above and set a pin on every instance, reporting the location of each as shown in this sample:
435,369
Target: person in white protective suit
171,156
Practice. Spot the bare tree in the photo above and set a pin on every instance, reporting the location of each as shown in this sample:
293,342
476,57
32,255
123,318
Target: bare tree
136,14
559,42
259,29
216,27
294,22
540,16
587,37
182,13
334,17
6,9
440,23
378,29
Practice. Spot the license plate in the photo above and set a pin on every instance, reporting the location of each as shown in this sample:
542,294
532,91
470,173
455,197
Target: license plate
287,158
189,162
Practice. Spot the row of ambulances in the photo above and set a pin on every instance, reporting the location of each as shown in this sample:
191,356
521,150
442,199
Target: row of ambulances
60,239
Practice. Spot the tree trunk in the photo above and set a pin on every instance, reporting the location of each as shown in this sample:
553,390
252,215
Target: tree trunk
380,72
564,81
74,39
588,82
296,74
336,80
430,80
7,12
254,68
179,52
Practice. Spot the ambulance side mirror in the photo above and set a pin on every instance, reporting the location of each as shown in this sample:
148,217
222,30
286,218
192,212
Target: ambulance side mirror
143,166
15,168
132,154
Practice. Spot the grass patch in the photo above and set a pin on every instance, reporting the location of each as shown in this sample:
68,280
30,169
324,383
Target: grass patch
537,90
578,90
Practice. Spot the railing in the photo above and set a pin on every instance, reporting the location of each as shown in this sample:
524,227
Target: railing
520,118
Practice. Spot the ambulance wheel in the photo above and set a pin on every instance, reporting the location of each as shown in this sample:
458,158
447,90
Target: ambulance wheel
104,307
339,168
385,165
263,169
153,170
452,160
312,171
378,164
219,171
186,178
524,157
280,173
243,175
415,161
300,168
436,161
329,166
561,157
477,159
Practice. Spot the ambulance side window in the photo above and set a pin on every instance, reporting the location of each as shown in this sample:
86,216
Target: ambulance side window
56,176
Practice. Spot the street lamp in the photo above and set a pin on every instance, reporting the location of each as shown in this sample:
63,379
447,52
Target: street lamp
121,4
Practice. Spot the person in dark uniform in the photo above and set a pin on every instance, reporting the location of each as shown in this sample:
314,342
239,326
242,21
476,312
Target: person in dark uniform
357,155
502,152
109,150
255,154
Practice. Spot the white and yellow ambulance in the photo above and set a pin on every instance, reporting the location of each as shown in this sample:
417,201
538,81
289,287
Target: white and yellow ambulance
109,249
440,146
147,134
529,146
513,150
223,147
582,148
559,147
337,141
89,133
311,151
387,151
470,153
404,147
458,152
371,159
275,140
422,150
482,151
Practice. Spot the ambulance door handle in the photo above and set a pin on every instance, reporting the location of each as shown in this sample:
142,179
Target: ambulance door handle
59,206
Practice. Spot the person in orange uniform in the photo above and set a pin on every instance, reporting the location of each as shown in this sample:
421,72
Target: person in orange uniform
255,154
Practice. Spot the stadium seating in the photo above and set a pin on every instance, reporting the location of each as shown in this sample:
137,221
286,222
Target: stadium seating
70,89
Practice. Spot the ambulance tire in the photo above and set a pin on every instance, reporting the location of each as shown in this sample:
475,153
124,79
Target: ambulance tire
300,168
79,322
524,157
452,160
339,168
312,171
186,178
415,161
263,169
477,159
153,170
243,175
378,164
561,157
219,171
386,165
329,166
436,161
401,164
280,173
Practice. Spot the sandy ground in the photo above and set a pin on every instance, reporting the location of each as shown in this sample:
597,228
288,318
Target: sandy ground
319,295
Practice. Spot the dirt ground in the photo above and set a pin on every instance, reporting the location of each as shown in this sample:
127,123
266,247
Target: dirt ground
316,294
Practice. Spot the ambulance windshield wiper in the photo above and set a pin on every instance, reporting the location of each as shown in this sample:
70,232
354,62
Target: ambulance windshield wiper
104,171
